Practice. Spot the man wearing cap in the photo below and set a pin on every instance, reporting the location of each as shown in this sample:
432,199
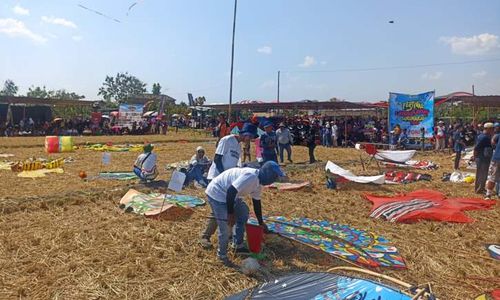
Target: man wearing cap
198,165
483,152
225,195
494,171
285,141
227,156
268,143
145,164
440,136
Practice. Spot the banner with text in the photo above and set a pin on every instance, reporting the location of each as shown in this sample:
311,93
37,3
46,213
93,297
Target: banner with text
412,112
130,113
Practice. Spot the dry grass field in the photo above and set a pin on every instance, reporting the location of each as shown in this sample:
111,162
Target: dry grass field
65,238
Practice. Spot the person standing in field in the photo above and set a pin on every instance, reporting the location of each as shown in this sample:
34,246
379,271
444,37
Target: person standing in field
285,142
440,136
494,171
483,153
222,129
458,145
268,143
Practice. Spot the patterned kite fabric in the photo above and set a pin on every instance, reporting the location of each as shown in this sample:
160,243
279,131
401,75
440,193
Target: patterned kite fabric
395,210
117,176
156,203
185,201
347,243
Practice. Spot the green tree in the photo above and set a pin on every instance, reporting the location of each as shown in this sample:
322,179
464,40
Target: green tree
156,89
121,87
42,92
37,92
63,94
9,88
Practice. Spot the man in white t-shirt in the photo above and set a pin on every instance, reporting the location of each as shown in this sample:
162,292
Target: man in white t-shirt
225,195
227,156
145,164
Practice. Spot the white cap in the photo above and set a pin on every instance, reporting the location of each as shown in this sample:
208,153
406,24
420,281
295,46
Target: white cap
488,125
200,148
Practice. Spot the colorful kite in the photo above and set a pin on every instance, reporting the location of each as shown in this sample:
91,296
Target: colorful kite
325,286
405,177
154,204
412,164
494,295
342,241
425,205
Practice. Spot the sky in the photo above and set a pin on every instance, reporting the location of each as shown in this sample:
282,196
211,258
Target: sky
323,48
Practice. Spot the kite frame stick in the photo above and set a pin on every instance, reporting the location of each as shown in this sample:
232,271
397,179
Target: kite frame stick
382,276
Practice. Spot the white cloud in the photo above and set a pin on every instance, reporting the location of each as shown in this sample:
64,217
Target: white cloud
479,74
268,84
323,62
475,45
19,10
15,28
58,21
265,50
77,38
432,76
308,61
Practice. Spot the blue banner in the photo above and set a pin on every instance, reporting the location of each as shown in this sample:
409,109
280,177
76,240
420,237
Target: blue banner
412,112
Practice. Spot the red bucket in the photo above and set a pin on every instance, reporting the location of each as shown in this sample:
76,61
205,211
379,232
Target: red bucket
255,237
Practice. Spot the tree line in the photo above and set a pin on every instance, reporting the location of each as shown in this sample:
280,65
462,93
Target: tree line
115,89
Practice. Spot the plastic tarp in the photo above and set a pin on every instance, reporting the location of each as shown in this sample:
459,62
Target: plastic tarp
320,286
337,170
425,205
399,156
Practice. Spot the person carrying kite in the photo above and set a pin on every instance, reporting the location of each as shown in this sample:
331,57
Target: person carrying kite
145,164
225,195
227,156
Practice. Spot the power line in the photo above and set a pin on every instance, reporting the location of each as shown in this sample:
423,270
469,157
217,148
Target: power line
395,67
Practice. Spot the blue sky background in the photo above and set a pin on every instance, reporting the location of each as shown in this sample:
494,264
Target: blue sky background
185,45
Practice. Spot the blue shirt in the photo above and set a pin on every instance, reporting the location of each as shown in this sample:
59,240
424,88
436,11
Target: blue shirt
458,145
483,146
496,155
268,142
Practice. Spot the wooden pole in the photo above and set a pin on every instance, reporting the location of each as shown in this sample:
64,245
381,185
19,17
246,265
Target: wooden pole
232,62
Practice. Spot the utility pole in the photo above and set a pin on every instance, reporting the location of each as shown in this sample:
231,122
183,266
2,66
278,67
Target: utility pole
278,98
473,91
232,63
